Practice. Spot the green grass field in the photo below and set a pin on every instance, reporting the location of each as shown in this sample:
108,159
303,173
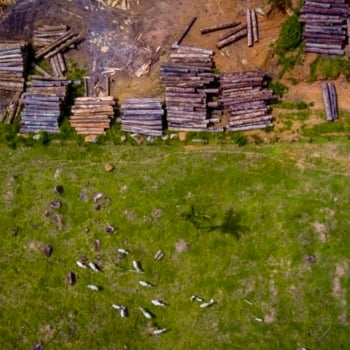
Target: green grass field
250,216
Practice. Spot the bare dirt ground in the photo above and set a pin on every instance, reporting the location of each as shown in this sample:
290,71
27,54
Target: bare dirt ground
133,40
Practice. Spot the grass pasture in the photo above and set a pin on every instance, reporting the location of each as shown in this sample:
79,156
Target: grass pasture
250,216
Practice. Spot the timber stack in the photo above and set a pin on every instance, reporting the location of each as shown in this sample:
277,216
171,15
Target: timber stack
51,42
325,26
190,85
330,101
13,61
43,104
143,116
245,100
92,115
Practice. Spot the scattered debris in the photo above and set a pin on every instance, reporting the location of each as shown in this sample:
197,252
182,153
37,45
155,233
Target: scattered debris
137,266
93,287
56,204
97,197
207,304
93,266
310,259
109,228
108,167
195,298
145,313
145,284
159,255
123,310
97,245
48,250
38,346
182,246
71,278
59,189
157,302
159,331
82,265
123,251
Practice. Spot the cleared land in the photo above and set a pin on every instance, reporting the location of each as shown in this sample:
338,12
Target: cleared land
250,215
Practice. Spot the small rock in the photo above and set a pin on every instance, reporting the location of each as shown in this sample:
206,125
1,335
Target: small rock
58,173
122,138
48,250
104,49
310,259
173,136
109,228
137,137
83,196
71,278
15,231
57,220
182,246
56,204
97,245
119,257
59,189
182,135
109,167
97,197
38,346
36,137
86,230
47,213
91,138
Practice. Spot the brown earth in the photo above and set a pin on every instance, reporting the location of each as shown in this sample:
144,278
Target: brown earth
134,42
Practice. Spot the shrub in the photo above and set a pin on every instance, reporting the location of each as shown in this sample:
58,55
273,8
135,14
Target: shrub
288,47
278,88
280,4
239,139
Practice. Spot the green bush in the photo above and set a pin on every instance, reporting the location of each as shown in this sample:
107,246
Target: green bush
289,47
290,36
278,88
280,4
239,139
330,68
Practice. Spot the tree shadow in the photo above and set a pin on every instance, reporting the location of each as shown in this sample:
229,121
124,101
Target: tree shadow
231,224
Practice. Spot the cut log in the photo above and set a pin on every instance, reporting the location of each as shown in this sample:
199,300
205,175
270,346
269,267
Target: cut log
185,31
219,27
231,39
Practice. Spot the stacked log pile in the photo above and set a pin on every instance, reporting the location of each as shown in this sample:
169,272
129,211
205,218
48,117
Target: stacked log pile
143,116
245,100
13,60
92,115
43,104
190,85
330,101
51,42
325,26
